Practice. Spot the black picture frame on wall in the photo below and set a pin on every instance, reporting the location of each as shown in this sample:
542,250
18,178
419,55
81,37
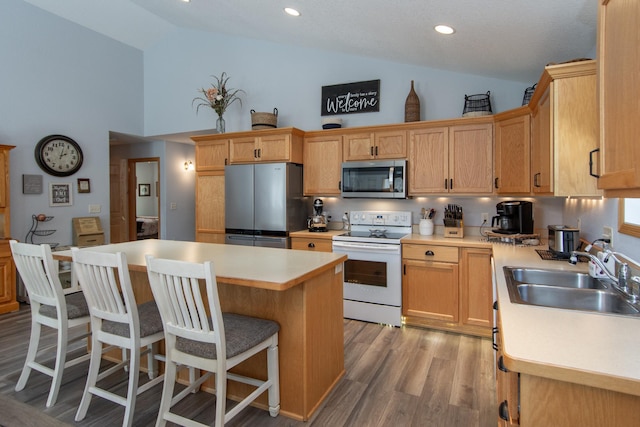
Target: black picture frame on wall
349,98
144,190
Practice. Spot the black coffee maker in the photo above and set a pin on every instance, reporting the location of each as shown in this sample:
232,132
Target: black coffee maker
514,217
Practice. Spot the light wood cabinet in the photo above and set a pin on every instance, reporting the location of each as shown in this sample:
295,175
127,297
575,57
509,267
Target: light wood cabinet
210,207
619,91
7,267
541,152
507,383
572,131
272,145
389,144
311,244
447,287
211,154
451,159
322,165
513,151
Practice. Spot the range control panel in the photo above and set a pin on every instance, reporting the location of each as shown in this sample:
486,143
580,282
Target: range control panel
380,218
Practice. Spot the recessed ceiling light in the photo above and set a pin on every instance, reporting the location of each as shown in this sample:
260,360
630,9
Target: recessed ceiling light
291,11
444,29
186,1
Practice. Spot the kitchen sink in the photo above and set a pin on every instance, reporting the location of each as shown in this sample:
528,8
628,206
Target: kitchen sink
567,290
566,279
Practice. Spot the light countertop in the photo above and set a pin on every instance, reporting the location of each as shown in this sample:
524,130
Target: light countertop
598,350
266,268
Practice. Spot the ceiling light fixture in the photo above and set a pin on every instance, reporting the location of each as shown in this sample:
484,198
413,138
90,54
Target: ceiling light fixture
291,11
444,29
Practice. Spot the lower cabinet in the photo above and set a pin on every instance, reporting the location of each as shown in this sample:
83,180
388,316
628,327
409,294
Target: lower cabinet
311,244
7,279
210,207
446,287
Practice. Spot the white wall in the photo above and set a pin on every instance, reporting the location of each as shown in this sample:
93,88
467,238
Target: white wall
60,78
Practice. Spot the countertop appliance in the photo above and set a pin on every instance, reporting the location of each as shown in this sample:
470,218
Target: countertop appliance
377,179
263,203
514,217
373,274
563,239
318,221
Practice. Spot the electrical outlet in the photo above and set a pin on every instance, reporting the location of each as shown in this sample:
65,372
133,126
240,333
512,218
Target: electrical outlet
485,217
95,208
607,233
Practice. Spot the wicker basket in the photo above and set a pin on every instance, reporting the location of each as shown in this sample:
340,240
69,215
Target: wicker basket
477,105
264,120
528,93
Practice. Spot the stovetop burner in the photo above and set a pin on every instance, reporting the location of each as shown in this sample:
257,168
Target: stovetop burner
377,227
374,234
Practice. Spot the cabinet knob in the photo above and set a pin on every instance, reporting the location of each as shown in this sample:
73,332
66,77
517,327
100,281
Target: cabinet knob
494,332
535,180
591,153
311,245
495,182
429,253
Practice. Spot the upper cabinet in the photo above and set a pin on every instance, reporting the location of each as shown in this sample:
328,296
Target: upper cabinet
619,94
513,151
389,144
451,159
565,128
211,154
271,145
322,164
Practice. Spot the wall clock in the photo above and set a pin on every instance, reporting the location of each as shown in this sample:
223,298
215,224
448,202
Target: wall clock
58,155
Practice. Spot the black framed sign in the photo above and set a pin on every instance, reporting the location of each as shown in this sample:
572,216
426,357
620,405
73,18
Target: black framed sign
348,98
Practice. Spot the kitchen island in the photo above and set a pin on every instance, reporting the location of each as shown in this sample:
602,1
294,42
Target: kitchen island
575,367
300,290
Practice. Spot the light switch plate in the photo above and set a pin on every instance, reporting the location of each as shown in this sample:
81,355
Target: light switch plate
95,208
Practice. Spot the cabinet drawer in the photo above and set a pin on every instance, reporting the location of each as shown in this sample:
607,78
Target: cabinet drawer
318,245
91,239
430,253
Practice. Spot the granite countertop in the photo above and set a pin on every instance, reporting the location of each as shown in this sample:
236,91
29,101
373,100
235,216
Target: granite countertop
594,349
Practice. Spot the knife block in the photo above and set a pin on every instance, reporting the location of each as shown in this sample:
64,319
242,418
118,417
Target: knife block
454,231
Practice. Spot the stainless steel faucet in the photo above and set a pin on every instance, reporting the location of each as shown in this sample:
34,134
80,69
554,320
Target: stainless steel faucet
621,282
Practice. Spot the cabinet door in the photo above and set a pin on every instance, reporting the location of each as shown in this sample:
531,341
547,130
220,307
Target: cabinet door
513,151
243,150
322,165
619,79
4,178
471,159
7,282
212,155
309,244
575,133
476,291
358,146
210,207
430,290
541,153
390,145
429,160
274,148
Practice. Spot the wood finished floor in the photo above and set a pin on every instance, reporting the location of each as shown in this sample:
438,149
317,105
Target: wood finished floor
394,377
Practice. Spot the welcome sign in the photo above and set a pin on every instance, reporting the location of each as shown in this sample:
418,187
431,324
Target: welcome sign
359,97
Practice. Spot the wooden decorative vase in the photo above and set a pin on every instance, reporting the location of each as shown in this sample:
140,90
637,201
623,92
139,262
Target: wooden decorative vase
412,106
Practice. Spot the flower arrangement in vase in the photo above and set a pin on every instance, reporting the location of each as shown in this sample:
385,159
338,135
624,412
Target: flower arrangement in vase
218,97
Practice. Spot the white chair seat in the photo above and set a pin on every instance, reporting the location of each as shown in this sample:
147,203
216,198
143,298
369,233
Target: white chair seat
241,334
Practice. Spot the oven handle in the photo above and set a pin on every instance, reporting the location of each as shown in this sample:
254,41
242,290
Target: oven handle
363,247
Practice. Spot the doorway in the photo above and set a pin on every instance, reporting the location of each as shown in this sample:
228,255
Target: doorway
144,198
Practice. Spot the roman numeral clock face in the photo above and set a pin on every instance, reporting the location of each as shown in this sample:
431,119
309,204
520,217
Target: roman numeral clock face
58,155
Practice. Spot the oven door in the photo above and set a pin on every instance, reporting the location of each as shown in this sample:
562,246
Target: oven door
372,273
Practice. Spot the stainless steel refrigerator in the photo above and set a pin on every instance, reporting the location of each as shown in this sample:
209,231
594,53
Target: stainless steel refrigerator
263,203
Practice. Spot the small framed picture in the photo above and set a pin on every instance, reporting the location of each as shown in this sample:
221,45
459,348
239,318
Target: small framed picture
144,190
84,185
60,194
31,184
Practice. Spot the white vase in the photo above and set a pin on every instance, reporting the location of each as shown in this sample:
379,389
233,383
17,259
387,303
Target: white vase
426,227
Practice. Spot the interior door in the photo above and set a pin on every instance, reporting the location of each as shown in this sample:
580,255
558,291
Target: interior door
153,189
118,201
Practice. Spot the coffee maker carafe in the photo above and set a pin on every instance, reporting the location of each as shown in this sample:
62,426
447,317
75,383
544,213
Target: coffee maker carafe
317,222
514,217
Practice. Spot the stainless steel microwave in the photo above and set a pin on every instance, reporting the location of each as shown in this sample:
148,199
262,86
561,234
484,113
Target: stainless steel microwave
376,179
